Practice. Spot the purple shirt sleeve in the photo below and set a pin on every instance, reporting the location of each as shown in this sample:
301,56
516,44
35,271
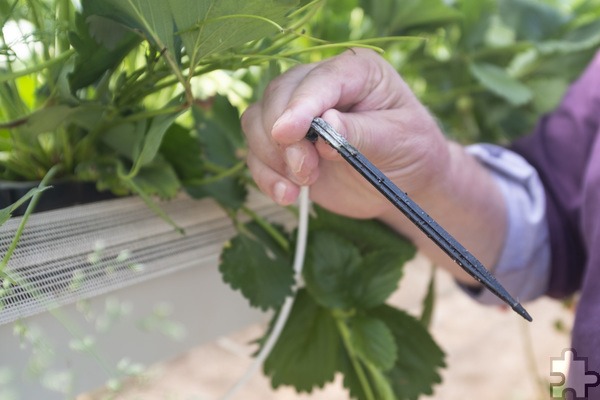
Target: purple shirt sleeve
559,150
565,150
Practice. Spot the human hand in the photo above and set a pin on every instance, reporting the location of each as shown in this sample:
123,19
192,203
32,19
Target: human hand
364,99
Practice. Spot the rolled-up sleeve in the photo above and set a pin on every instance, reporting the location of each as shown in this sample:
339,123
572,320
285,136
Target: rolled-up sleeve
523,267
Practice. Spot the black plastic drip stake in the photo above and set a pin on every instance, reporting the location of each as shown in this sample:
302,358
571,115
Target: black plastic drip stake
414,212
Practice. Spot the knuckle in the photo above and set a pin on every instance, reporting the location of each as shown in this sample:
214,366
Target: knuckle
331,67
277,84
247,118
274,86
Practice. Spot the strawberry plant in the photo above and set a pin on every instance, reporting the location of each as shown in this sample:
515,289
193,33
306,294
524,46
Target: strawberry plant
339,322
488,73
120,103
115,93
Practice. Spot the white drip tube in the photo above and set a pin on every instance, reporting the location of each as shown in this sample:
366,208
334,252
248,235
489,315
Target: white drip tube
304,205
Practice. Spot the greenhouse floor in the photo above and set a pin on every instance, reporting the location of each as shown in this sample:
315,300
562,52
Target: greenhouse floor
491,353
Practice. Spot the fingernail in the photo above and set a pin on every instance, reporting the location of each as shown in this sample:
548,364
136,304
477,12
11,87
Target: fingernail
282,118
294,157
279,192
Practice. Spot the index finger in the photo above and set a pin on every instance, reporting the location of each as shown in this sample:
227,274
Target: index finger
341,82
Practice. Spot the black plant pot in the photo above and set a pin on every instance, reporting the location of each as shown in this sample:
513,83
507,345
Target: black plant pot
62,194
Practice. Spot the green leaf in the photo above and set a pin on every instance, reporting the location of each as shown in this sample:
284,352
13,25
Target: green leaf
378,277
373,342
397,16
257,267
568,67
330,270
153,139
44,120
367,235
499,35
87,116
499,82
532,19
103,31
418,356
204,27
583,38
337,13
414,13
228,192
158,178
208,27
476,20
126,139
104,171
218,131
62,84
353,263
6,212
101,45
307,352
547,93
182,150
152,17
52,118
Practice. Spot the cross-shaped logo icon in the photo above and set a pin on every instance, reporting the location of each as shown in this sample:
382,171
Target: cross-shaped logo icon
580,379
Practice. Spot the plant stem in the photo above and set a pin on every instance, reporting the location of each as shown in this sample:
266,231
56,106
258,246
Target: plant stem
30,208
39,26
53,308
148,83
540,384
150,203
147,114
215,178
360,373
67,149
7,65
37,67
75,332
278,237
63,15
312,8
24,284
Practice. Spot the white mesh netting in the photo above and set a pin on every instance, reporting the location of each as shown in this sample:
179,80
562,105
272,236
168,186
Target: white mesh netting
79,252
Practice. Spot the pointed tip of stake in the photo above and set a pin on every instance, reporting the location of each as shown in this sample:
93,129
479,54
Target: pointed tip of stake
522,312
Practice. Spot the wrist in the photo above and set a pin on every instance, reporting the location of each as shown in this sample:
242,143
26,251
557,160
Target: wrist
465,200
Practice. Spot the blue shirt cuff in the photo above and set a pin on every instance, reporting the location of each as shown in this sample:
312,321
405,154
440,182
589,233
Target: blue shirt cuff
523,267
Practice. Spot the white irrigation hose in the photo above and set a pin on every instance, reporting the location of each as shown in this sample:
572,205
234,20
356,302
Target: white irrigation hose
289,301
